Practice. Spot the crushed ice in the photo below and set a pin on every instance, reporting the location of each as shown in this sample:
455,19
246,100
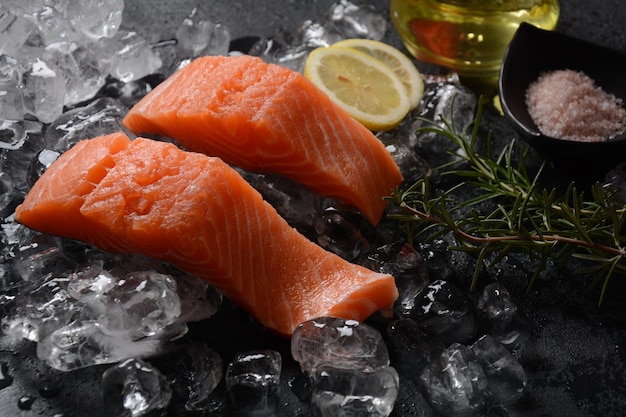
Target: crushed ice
253,381
103,312
348,367
62,80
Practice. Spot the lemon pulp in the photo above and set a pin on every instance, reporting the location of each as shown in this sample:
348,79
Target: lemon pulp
361,84
399,63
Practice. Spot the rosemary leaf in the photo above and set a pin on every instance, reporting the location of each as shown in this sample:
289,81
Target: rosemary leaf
505,210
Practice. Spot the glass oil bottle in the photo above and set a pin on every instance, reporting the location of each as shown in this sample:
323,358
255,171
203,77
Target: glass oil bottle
469,37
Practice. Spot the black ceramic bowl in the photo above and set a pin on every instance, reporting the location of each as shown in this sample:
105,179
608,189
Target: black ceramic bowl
533,51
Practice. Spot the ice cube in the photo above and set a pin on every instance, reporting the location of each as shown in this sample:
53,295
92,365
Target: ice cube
13,236
140,304
438,258
198,36
499,316
104,311
91,283
454,103
95,19
194,371
30,162
411,349
253,380
127,56
21,140
343,344
43,308
11,94
40,256
352,392
83,343
198,300
11,98
8,195
128,93
407,267
316,34
296,204
50,19
455,383
283,49
505,375
265,48
292,57
79,67
615,180
134,387
13,134
39,163
14,32
447,312
100,117
412,166
102,281
358,20
44,91
343,230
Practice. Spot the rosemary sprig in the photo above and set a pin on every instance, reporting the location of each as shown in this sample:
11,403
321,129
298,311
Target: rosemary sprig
522,216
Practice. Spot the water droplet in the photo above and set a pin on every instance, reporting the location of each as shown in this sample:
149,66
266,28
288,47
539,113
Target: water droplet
48,391
25,402
5,378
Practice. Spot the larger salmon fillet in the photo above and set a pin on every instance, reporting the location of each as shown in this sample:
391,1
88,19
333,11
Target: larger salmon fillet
266,118
195,211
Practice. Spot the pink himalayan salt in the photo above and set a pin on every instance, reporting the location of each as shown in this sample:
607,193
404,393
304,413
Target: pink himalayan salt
568,105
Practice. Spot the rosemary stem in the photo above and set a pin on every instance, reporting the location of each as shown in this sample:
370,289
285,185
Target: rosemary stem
525,217
549,239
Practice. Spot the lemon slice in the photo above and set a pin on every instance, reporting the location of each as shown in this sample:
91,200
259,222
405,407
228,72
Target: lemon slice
396,60
362,85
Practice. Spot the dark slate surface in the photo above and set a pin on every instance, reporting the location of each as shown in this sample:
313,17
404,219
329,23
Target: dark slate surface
575,359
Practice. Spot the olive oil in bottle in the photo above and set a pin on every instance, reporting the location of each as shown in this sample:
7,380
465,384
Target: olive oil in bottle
468,36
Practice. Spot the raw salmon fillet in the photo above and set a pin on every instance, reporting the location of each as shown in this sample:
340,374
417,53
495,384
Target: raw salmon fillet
195,211
267,118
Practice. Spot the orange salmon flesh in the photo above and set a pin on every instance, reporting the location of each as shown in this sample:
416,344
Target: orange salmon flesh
195,211
266,118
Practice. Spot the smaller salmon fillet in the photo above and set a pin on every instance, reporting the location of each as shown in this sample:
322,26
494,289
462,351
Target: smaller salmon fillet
197,212
267,118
